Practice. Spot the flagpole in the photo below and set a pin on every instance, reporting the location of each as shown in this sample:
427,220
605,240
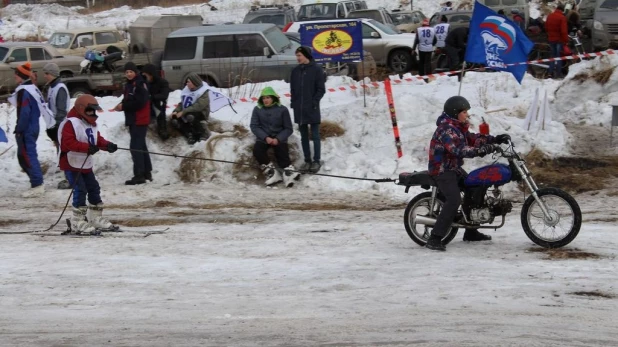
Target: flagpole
463,67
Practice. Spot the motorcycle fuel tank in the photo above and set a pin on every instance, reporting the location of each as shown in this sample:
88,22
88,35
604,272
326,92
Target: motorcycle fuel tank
496,174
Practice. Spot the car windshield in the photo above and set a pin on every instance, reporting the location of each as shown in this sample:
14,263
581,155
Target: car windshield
61,40
3,51
384,28
276,38
277,19
317,11
402,18
610,5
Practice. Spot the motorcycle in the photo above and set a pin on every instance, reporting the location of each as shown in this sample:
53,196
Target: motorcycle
550,217
97,62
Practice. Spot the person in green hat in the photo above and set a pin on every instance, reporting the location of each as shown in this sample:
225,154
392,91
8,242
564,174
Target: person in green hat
272,126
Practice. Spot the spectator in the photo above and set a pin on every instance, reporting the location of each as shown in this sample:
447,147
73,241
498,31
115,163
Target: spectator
573,21
557,35
425,38
448,6
159,91
59,103
441,32
76,160
136,107
450,144
29,108
307,89
456,41
192,110
519,19
272,126
501,13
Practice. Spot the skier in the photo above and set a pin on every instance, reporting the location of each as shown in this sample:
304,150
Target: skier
424,40
79,140
271,124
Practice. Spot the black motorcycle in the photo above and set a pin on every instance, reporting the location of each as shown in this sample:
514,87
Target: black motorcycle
97,62
550,217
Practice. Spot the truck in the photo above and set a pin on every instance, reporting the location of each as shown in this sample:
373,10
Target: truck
98,84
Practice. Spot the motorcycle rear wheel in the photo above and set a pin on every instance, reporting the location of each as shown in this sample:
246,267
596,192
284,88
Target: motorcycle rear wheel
420,205
565,222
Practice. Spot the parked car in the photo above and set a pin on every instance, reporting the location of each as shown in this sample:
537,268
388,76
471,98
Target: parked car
147,33
228,55
13,54
387,47
379,14
605,25
78,41
407,21
280,15
456,19
328,9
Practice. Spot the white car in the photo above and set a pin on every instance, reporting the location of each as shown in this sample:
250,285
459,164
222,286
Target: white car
387,47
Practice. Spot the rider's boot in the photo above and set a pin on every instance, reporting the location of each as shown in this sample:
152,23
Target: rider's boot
473,235
435,243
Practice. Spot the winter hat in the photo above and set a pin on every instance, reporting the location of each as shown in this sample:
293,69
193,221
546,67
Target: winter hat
24,71
52,69
195,79
268,91
131,66
150,69
306,51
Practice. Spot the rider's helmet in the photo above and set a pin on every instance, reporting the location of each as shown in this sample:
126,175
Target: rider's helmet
86,103
454,105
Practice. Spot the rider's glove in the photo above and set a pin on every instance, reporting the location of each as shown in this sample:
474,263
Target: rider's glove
92,149
485,149
503,138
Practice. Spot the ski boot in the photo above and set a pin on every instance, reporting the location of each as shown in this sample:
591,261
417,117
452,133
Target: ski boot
271,173
97,220
79,224
290,175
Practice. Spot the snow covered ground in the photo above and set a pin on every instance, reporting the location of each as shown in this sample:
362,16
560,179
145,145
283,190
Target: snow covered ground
327,262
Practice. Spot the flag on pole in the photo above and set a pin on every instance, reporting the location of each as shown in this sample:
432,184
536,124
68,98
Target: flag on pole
496,41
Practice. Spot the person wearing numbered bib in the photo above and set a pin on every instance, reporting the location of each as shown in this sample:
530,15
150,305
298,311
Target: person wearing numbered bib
425,39
441,32
192,110
79,140
136,107
30,106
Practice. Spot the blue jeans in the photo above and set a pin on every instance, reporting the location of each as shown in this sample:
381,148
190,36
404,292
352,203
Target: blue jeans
555,68
304,140
27,157
87,184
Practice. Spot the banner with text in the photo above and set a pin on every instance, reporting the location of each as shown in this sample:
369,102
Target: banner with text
334,41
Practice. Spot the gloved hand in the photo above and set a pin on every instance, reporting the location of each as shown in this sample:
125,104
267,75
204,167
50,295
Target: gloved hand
503,138
486,149
112,147
92,149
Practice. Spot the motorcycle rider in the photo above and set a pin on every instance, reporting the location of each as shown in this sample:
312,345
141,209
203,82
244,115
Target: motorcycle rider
450,144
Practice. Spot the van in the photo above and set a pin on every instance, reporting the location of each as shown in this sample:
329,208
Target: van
228,55
78,41
328,9
509,5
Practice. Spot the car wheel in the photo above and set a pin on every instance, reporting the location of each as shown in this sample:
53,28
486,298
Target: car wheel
400,61
76,92
66,74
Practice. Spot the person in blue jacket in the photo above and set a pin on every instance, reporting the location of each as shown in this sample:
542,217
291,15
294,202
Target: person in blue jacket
27,129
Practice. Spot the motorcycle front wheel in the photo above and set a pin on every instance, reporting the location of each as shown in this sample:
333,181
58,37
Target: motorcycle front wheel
420,206
560,227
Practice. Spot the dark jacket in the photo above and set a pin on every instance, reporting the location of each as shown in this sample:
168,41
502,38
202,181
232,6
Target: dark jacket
451,142
307,89
136,102
556,27
457,38
273,121
159,88
28,112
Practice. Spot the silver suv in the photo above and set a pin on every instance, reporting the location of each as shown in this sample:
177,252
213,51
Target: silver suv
228,55
280,15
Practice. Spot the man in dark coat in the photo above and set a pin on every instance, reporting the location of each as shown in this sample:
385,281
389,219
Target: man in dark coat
136,107
159,90
456,41
307,89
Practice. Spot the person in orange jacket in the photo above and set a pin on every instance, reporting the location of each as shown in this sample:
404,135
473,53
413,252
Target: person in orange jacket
558,36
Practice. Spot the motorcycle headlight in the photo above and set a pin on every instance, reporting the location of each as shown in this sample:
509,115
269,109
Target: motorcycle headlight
598,25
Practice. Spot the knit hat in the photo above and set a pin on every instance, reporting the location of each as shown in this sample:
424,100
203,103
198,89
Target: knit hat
195,79
52,69
131,66
150,69
24,71
306,51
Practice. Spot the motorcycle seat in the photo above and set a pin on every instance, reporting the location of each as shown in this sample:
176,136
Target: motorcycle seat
113,57
416,178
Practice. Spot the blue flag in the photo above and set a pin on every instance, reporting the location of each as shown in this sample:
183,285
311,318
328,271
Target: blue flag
496,41
3,136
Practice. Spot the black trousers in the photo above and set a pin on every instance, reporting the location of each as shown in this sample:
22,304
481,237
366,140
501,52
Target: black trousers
141,158
190,123
453,57
424,63
282,153
448,184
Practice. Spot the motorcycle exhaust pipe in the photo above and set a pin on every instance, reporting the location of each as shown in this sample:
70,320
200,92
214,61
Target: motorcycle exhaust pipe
428,221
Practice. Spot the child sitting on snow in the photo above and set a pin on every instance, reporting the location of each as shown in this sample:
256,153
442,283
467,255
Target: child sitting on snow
79,139
272,125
